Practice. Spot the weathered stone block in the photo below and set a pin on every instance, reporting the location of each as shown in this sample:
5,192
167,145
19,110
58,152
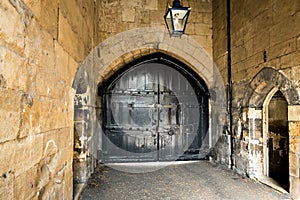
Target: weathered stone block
290,30
294,113
48,16
294,129
6,186
238,54
290,60
21,155
57,140
40,118
151,5
282,48
294,144
71,11
12,27
49,84
203,29
282,11
25,184
294,187
128,15
262,40
39,48
69,39
15,71
294,165
34,6
10,110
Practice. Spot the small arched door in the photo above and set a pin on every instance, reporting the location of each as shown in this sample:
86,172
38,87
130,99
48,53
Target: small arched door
278,140
154,109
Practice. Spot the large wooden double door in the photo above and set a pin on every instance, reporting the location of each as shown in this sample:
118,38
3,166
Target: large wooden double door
153,112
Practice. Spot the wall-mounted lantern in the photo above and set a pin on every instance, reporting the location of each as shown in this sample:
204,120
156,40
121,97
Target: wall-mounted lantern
176,18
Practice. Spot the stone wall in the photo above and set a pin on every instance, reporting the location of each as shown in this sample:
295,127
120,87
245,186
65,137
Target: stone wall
116,16
41,46
265,57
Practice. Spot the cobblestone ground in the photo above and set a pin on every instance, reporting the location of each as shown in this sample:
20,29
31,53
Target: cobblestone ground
196,180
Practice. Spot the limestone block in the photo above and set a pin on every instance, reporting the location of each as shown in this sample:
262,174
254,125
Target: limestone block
254,114
202,6
294,113
151,5
54,115
25,184
48,83
294,187
142,17
6,186
293,75
21,155
62,63
282,48
17,73
68,180
290,30
294,128
34,6
203,29
290,60
190,29
238,54
128,15
237,38
294,165
207,18
52,191
69,39
283,10
39,47
294,144
10,109
261,41
48,16
12,28
87,10
57,140
71,11
45,114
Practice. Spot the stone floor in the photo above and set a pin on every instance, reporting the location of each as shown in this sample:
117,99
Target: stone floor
168,181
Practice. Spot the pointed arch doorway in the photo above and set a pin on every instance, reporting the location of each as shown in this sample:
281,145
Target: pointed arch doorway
276,138
154,109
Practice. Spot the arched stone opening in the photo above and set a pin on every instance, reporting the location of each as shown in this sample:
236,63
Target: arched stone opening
259,101
276,138
154,109
111,56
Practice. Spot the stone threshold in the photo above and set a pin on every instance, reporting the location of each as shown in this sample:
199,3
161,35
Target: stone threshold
270,182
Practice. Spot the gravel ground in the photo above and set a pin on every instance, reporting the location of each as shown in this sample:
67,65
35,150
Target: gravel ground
191,180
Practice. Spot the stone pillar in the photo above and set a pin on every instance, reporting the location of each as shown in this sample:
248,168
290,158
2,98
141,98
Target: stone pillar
294,154
255,141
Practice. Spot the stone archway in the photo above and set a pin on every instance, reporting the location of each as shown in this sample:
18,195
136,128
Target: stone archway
113,54
262,88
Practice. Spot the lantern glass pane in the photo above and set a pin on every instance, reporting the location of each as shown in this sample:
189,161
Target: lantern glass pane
179,19
176,19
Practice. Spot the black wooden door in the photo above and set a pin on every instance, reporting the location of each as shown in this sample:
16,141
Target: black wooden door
151,113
